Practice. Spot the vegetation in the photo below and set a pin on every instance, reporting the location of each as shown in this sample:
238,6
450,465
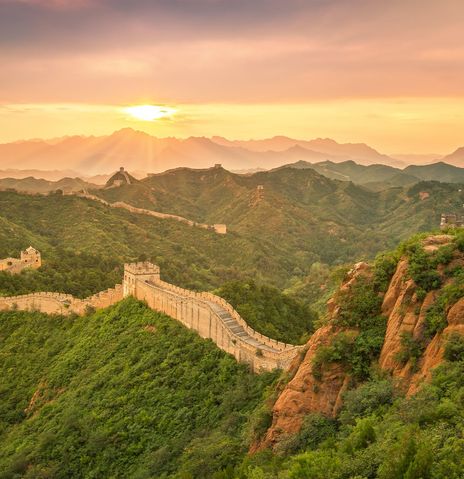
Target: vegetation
125,392
269,311
378,436
364,330
411,350
448,296
79,274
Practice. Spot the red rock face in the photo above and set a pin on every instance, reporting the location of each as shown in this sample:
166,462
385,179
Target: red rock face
405,313
304,393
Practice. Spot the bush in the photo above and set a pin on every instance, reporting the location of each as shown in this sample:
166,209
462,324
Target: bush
358,306
316,428
436,317
366,400
384,268
411,350
454,348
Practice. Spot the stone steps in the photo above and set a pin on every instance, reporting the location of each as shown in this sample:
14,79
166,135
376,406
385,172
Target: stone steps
237,328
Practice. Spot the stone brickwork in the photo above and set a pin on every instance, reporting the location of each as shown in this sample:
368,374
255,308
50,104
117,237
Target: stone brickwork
210,316
64,304
207,314
29,258
217,228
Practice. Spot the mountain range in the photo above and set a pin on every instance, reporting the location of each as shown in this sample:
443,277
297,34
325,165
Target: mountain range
137,150
379,177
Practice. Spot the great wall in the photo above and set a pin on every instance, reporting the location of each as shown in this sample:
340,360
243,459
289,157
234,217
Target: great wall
217,228
207,314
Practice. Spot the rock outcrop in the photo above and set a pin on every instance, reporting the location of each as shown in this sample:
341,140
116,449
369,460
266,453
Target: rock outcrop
305,393
405,312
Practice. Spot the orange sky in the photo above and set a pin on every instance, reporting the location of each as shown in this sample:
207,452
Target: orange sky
390,74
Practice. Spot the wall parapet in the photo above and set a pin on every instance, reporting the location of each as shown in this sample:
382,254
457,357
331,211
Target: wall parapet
231,310
210,315
183,304
217,228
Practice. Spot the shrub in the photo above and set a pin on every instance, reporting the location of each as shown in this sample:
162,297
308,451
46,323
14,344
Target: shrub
365,400
411,349
454,348
359,305
315,429
384,267
436,317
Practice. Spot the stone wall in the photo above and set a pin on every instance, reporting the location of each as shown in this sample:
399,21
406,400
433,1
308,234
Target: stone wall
207,314
58,303
217,228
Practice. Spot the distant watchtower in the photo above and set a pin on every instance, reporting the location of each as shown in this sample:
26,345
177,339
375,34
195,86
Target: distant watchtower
134,272
120,178
31,258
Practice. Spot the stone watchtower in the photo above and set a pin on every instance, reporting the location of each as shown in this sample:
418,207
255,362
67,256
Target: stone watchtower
134,272
31,258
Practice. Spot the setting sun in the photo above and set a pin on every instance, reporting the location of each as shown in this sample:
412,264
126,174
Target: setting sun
149,112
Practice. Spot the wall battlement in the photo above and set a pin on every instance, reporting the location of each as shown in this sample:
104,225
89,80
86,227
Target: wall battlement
207,314
29,258
217,228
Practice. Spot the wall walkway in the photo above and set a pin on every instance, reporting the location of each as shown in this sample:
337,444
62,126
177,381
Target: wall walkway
207,314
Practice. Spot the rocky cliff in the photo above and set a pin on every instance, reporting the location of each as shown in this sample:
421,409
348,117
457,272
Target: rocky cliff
416,312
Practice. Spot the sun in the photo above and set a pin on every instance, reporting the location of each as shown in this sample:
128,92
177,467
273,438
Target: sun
149,112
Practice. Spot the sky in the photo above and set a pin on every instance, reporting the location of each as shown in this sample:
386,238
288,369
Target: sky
388,73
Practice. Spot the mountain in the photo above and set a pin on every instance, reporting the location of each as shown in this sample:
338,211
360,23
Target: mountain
378,177
360,152
33,185
417,159
456,158
140,151
440,171
48,175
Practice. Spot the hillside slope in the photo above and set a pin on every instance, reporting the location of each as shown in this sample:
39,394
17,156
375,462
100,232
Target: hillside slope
399,316
125,392
297,210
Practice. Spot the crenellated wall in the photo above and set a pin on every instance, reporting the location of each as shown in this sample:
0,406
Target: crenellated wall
210,316
58,303
217,228
207,314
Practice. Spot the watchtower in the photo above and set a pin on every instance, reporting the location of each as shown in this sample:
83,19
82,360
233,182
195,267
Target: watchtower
31,258
134,272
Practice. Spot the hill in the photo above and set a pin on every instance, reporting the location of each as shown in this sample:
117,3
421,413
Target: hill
125,392
456,158
298,219
379,177
34,185
128,392
440,171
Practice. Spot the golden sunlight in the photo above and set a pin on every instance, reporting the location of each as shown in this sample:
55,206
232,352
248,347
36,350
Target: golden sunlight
149,112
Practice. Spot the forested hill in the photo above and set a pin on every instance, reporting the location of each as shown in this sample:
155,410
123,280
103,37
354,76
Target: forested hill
128,392
319,218
276,235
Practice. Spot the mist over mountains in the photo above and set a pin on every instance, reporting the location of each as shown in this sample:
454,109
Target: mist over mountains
90,156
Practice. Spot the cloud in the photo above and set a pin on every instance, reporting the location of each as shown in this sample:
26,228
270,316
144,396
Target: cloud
53,4
229,50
